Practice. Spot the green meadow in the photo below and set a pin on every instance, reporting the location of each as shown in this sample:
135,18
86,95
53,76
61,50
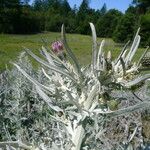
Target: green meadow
12,45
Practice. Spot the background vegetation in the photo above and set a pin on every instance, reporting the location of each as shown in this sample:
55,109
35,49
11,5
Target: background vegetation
12,45
19,17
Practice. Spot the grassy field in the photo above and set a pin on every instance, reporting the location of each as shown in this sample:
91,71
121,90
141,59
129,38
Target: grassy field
12,45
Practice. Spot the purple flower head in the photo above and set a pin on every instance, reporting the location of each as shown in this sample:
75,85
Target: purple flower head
57,47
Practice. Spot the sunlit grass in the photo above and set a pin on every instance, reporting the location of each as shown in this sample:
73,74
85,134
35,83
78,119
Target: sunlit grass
12,45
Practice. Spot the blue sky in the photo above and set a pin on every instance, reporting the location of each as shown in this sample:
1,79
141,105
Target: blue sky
121,5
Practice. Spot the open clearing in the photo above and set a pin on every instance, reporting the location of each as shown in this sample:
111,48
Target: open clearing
12,45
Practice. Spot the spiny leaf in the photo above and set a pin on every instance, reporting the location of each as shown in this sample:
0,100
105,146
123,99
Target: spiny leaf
48,57
123,111
130,109
142,56
133,46
74,101
99,55
55,59
69,51
122,52
136,81
55,68
135,49
123,66
94,48
46,98
35,82
91,96
133,134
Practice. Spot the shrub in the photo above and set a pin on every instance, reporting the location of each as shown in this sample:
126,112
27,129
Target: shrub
93,107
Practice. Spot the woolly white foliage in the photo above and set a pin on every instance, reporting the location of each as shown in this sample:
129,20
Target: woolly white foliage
88,108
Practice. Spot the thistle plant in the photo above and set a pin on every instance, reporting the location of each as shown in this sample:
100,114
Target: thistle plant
57,47
87,103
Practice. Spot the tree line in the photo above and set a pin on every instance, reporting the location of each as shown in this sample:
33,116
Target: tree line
17,16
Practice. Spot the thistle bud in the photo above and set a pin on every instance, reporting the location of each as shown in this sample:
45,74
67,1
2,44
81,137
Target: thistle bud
57,47
109,56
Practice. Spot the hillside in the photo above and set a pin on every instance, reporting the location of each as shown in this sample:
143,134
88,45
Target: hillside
11,46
